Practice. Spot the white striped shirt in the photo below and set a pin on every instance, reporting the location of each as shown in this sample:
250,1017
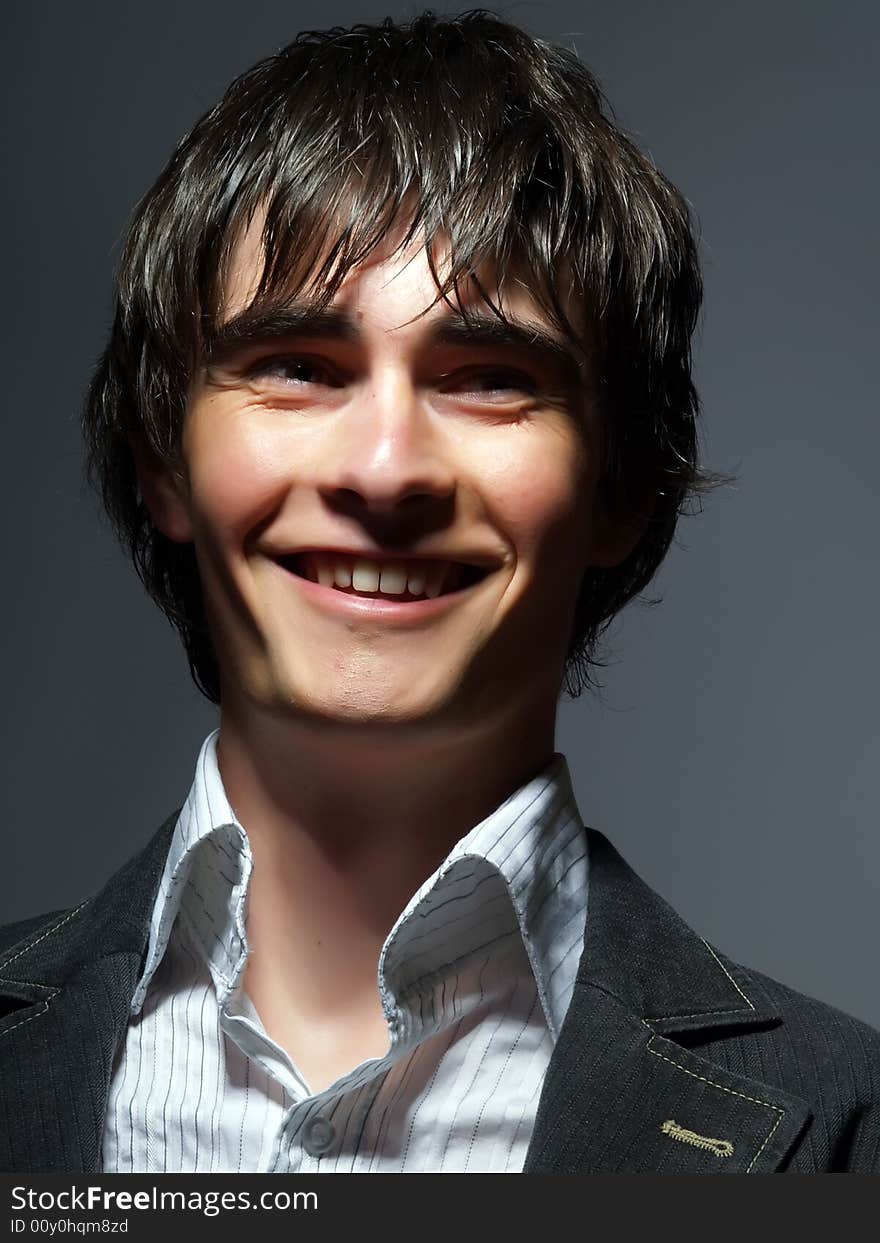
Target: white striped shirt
475,978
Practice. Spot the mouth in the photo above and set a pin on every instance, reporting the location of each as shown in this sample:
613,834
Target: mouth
409,581
408,594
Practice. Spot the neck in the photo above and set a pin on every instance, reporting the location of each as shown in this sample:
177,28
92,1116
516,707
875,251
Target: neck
346,824
366,804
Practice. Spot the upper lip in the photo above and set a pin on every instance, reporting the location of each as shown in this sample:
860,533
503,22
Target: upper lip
482,560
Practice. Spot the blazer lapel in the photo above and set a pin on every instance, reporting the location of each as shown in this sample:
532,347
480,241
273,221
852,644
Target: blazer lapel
620,1095
64,997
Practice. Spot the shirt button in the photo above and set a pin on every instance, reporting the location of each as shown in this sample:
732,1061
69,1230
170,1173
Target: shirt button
318,1135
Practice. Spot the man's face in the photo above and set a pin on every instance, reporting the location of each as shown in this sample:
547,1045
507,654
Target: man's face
378,433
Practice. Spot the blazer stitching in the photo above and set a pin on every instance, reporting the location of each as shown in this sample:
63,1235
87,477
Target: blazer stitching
766,1141
661,1018
6,962
753,1099
44,1006
7,979
727,973
705,1014
699,1014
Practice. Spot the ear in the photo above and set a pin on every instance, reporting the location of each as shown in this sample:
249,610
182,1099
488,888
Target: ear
164,492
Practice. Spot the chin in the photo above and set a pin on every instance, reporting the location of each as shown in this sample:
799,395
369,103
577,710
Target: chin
373,703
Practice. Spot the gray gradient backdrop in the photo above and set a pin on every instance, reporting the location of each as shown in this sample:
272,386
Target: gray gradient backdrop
734,758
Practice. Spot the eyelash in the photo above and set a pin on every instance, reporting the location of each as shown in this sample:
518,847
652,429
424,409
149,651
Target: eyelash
264,365
521,382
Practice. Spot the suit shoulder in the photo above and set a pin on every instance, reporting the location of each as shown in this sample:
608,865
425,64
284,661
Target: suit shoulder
125,899
821,1055
815,1023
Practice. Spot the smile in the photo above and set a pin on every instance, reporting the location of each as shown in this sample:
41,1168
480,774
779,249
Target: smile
410,590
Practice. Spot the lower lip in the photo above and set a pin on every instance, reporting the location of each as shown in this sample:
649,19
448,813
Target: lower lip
403,612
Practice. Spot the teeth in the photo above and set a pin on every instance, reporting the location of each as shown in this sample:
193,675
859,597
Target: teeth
391,578
365,576
436,574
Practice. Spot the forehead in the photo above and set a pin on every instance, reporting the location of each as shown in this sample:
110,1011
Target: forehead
393,284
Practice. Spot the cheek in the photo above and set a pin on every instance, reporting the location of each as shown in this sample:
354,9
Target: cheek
543,503
239,478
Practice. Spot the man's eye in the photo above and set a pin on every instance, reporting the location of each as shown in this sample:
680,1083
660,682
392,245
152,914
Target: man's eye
294,371
500,381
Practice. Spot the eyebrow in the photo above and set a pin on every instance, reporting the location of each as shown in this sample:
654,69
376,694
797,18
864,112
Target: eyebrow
480,330
484,331
256,327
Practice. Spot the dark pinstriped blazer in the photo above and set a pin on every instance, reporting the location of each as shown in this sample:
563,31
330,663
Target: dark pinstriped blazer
672,1059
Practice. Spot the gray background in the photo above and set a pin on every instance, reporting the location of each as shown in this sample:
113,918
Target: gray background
733,758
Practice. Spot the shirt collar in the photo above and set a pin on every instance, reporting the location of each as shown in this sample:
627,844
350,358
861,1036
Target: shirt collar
206,873
534,848
534,844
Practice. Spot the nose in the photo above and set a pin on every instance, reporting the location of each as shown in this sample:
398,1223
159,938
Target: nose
387,454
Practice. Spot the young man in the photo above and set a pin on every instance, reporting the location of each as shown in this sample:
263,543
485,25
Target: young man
396,414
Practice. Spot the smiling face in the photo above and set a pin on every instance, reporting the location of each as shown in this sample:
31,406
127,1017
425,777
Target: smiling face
396,434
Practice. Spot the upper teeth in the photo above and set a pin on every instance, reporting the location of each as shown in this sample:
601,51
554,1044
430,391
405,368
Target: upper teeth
390,577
